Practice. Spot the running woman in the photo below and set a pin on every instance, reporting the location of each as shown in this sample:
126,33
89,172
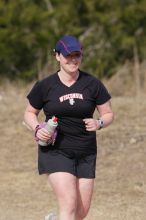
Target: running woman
71,95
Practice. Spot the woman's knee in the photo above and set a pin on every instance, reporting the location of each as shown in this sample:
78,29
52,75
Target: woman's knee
82,212
68,203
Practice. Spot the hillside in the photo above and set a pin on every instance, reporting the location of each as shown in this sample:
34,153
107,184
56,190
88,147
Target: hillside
120,188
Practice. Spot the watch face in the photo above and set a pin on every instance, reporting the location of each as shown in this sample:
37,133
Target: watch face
101,123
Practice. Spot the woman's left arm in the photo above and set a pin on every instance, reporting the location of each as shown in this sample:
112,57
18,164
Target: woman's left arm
105,113
106,116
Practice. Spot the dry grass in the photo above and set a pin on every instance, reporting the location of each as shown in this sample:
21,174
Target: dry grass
120,187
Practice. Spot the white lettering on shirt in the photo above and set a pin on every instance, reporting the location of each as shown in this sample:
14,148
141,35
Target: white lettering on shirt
71,96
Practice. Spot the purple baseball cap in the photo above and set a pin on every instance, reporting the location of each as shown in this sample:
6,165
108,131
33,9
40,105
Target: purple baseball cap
68,44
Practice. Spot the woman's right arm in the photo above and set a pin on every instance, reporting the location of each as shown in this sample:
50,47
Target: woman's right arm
31,120
31,117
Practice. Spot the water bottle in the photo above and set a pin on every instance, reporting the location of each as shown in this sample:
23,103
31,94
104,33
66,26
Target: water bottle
50,126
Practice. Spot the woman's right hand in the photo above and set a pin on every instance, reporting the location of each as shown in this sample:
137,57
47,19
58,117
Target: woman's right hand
43,134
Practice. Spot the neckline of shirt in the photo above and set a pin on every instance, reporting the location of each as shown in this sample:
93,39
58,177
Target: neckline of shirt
67,86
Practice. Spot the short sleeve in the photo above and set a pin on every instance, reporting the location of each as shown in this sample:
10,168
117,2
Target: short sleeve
102,95
35,96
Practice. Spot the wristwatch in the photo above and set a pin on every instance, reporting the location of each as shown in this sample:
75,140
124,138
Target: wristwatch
100,123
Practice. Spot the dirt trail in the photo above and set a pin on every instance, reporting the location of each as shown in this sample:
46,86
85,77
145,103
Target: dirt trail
120,187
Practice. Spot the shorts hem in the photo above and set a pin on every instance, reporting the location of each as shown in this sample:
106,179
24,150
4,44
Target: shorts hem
78,176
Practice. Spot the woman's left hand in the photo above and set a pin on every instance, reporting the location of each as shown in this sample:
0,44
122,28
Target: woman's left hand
91,124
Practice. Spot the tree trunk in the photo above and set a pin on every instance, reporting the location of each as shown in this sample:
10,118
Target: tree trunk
137,72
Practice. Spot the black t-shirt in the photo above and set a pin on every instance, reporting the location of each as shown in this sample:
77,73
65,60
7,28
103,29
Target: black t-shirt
70,105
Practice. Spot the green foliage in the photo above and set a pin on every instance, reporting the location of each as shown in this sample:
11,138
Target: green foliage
23,34
108,30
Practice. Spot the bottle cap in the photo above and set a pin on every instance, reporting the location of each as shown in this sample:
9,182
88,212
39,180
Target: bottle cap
54,119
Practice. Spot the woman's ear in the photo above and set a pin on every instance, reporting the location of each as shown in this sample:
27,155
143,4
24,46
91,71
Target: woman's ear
58,57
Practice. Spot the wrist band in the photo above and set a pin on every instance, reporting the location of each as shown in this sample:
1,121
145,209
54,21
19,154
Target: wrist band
100,123
38,127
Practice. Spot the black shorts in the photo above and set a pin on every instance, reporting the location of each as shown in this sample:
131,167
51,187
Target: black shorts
51,161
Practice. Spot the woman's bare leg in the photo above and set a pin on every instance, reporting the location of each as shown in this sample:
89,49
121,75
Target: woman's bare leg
84,196
64,185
